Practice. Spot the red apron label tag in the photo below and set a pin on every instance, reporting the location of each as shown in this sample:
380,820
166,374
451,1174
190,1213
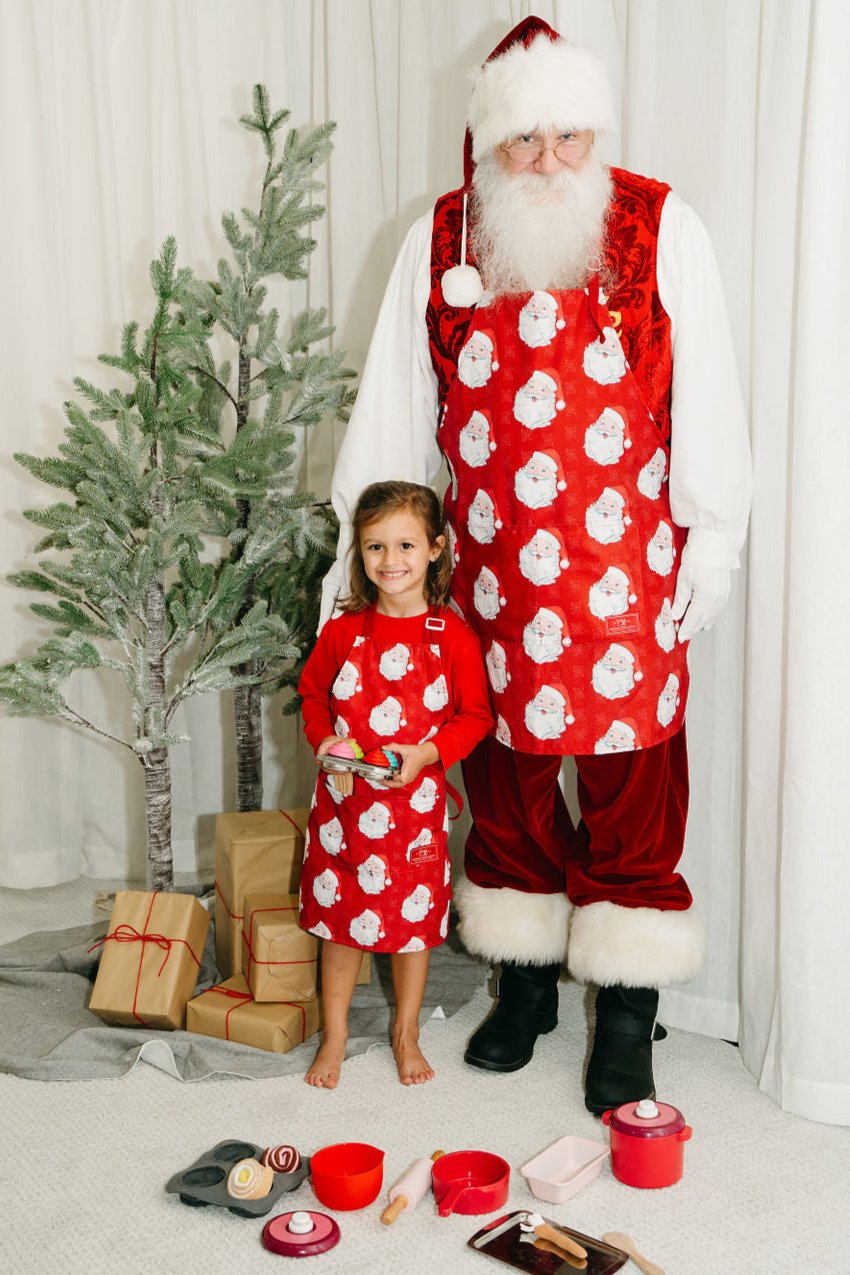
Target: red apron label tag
622,624
424,854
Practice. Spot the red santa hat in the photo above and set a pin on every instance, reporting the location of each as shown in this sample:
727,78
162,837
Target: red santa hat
627,649
627,577
560,616
485,416
560,689
550,458
551,378
536,80
487,335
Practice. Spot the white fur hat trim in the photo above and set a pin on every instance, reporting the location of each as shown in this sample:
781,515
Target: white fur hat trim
550,84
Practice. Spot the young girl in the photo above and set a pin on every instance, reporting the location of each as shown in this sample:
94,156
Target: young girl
396,670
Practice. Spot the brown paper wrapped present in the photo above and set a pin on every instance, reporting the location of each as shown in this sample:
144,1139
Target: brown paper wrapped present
150,959
278,957
229,1012
258,852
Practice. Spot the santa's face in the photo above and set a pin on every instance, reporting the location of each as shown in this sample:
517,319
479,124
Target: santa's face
503,732
659,551
415,907
546,715
347,681
610,595
534,402
665,629
474,441
604,519
341,728
385,718
413,945
497,667
321,931
614,674
475,361
395,662
331,837
604,360
424,797
481,518
366,929
372,875
537,320
485,594
543,638
326,889
651,477
540,561
619,738
604,438
376,821
536,484
668,701
436,696
423,838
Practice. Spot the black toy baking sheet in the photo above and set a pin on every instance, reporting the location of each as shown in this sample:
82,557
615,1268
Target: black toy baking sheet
509,1247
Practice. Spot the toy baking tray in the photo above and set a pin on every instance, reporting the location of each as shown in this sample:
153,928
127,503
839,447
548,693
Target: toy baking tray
346,765
502,1239
205,1181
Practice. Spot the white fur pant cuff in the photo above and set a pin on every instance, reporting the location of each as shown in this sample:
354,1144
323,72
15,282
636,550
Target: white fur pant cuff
510,925
634,947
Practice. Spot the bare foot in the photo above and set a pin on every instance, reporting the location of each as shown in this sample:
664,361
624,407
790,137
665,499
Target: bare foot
413,1066
323,1072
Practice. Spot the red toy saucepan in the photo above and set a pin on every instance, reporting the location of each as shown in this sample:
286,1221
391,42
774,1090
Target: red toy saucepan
470,1182
647,1143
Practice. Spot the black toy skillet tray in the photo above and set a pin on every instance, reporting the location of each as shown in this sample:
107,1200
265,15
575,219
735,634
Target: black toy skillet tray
502,1239
205,1181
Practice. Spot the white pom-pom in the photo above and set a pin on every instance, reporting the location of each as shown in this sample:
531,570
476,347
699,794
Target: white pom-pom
628,441
495,366
568,641
498,524
565,562
502,602
632,597
562,486
560,405
492,446
569,720
627,520
561,323
638,675
461,286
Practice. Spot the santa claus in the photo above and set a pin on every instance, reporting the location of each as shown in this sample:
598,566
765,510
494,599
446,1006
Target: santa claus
665,628
660,551
548,714
373,875
413,945
366,928
331,836
326,889
539,320
604,360
536,402
386,717
607,518
424,797
395,662
668,700
417,904
347,681
543,559
651,476
539,480
436,694
616,672
611,594
496,662
476,362
376,821
605,438
481,518
487,597
620,737
545,635
475,441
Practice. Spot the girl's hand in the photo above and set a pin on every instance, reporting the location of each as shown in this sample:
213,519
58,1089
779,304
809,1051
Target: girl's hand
414,757
327,743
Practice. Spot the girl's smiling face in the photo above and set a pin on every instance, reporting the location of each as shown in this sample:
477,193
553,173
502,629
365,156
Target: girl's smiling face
396,557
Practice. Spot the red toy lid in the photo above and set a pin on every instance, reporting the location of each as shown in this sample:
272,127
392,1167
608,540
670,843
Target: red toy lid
646,1119
287,1235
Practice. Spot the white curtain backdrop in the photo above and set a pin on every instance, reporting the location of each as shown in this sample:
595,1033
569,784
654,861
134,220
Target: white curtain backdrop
120,127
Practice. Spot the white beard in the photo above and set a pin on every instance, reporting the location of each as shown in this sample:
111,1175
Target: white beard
649,482
393,663
544,723
604,528
604,604
330,835
604,449
436,695
482,526
473,372
385,719
533,412
539,570
612,683
325,888
486,604
535,493
375,822
541,647
372,875
415,906
346,682
366,928
667,705
659,558
475,451
535,331
665,630
532,232
604,361
425,796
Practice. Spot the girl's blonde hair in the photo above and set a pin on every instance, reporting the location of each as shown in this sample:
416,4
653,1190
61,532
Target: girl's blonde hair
379,500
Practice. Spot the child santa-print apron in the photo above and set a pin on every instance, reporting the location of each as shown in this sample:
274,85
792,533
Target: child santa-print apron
565,550
376,871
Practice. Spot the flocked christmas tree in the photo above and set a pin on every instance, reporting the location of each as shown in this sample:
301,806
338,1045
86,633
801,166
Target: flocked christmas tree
158,484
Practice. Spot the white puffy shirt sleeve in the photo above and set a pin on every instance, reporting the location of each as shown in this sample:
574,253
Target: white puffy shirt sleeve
392,432
710,461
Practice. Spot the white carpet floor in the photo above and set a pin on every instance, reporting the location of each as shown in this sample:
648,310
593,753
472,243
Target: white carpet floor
85,1163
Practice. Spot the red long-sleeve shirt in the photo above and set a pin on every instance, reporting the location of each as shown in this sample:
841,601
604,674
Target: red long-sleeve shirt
463,667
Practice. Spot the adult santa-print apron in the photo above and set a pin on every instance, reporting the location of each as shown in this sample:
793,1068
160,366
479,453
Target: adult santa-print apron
376,870
565,549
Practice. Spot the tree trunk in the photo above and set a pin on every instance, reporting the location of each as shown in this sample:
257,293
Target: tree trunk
247,702
157,762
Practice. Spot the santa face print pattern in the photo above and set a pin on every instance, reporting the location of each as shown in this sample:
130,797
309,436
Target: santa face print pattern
564,545
376,871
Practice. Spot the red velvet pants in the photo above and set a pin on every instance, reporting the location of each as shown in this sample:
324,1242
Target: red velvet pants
628,842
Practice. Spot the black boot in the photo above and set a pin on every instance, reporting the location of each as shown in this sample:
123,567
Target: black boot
620,1067
527,1008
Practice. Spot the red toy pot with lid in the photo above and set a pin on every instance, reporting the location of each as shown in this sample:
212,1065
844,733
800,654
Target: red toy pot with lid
647,1143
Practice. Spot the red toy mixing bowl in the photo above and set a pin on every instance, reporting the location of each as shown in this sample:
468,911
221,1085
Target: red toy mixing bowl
647,1143
470,1182
347,1175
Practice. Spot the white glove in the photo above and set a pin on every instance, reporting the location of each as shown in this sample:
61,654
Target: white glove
701,593
331,589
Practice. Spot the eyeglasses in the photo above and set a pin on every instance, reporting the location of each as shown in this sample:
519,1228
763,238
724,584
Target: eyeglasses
530,146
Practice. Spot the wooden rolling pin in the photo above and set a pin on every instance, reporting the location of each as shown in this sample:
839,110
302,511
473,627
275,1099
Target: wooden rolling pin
627,1244
410,1188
